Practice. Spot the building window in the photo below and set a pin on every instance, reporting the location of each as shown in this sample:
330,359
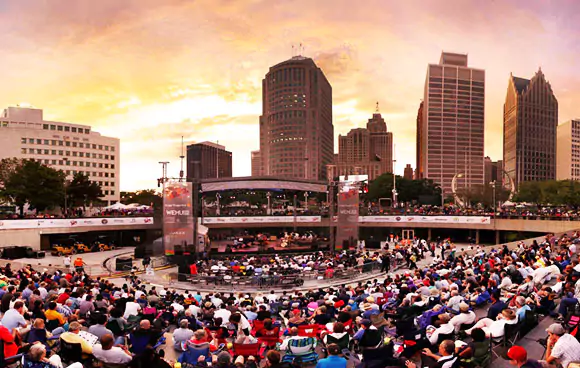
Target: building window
61,152
54,162
74,144
73,129
106,157
112,166
87,131
67,144
94,173
60,143
67,129
52,127
39,152
106,192
23,150
68,172
100,146
101,175
53,152
113,158
94,146
39,141
81,145
23,140
112,175
74,163
46,152
30,140
112,192
106,148
45,126
53,142
46,162
81,154
94,164
100,165
74,153
106,175
60,128
113,148
94,155
101,156
106,166
47,142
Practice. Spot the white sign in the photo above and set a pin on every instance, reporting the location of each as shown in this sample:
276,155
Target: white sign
429,219
73,223
260,219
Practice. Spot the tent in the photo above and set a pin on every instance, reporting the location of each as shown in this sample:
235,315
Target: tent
116,206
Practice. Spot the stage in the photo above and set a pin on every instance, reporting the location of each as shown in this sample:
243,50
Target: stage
221,247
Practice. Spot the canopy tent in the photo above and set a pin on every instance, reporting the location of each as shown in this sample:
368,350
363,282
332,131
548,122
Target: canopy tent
116,206
137,206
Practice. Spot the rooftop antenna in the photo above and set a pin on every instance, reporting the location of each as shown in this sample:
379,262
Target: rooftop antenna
377,108
181,157
300,50
292,50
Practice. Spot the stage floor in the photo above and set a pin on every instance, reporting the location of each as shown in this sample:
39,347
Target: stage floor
220,247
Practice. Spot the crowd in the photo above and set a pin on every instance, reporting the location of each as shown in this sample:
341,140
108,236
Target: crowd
426,316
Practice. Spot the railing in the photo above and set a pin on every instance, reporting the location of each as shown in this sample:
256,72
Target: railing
230,281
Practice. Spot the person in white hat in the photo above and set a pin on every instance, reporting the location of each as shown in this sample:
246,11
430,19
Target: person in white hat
562,347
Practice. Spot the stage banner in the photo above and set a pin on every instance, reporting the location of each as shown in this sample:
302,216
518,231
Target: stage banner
348,213
177,216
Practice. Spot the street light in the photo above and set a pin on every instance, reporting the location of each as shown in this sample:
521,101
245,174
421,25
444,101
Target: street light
269,208
394,201
493,185
217,198
65,159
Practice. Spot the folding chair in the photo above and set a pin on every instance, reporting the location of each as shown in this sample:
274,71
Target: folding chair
70,352
308,330
247,350
301,351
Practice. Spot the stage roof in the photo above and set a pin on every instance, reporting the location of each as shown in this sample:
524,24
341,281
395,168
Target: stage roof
265,183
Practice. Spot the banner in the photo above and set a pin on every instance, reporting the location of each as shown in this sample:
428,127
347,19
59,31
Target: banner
408,220
177,216
348,216
73,223
260,219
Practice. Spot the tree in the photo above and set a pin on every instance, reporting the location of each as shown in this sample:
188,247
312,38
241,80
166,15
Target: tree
7,168
550,192
422,190
146,197
81,191
31,182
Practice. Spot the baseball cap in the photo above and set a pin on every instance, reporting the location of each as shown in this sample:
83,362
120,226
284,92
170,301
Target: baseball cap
365,322
517,353
556,329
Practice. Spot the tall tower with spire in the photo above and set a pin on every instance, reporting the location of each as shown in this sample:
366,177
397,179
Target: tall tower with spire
530,121
366,151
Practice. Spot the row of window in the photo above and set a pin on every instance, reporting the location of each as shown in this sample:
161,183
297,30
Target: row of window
55,142
39,151
82,164
64,128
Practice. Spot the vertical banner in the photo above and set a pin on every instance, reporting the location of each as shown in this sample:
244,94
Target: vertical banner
348,212
177,216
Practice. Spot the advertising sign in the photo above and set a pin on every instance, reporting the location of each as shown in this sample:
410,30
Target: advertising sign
348,216
73,223
409,220
260,219
177,216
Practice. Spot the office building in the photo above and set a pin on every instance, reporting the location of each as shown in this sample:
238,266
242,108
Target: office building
72,148
296,131
530,123
452,124
366,151
257,164
212,160
493,170
568,150
419,170
408,173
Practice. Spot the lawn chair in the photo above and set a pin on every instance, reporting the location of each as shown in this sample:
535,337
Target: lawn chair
301,351
190,356
70,352
308,330
247,350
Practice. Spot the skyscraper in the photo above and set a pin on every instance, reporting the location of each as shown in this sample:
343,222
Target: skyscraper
493,170
452,124
568,151
214,161
296,131
530,120
419,169
366,151
257,164
408,173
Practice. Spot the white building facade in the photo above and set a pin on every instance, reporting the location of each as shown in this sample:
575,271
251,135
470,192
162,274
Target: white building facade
73,148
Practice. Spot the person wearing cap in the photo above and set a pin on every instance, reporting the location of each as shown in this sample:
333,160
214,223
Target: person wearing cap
465,317
518,356
561,346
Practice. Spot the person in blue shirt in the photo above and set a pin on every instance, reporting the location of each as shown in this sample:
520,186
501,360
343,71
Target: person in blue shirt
333,360
497,305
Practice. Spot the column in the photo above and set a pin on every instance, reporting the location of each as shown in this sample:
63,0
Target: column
497,237
477,236
429,234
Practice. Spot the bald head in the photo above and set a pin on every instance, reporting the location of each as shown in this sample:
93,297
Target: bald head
145,324
294,331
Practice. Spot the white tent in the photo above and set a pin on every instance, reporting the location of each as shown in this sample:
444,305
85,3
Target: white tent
508,204
116,206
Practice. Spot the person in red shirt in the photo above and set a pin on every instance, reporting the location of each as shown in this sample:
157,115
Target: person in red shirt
193,269
10,347
63,297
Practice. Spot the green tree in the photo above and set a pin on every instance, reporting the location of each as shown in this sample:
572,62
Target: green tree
81,191
148,197
7,168
40,186
408,190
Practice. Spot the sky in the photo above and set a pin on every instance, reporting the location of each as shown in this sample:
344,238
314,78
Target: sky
152,71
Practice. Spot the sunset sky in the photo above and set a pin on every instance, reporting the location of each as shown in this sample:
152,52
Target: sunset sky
150,71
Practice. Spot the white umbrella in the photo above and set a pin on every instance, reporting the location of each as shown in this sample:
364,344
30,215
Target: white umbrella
116,206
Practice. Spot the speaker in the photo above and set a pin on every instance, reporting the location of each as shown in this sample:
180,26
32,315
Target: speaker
123,264
181,277
178,249
139,252
40,254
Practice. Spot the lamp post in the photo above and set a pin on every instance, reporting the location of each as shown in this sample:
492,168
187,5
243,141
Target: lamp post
217,198
394,201
493,184
269,208
65,159
162,181
306,199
